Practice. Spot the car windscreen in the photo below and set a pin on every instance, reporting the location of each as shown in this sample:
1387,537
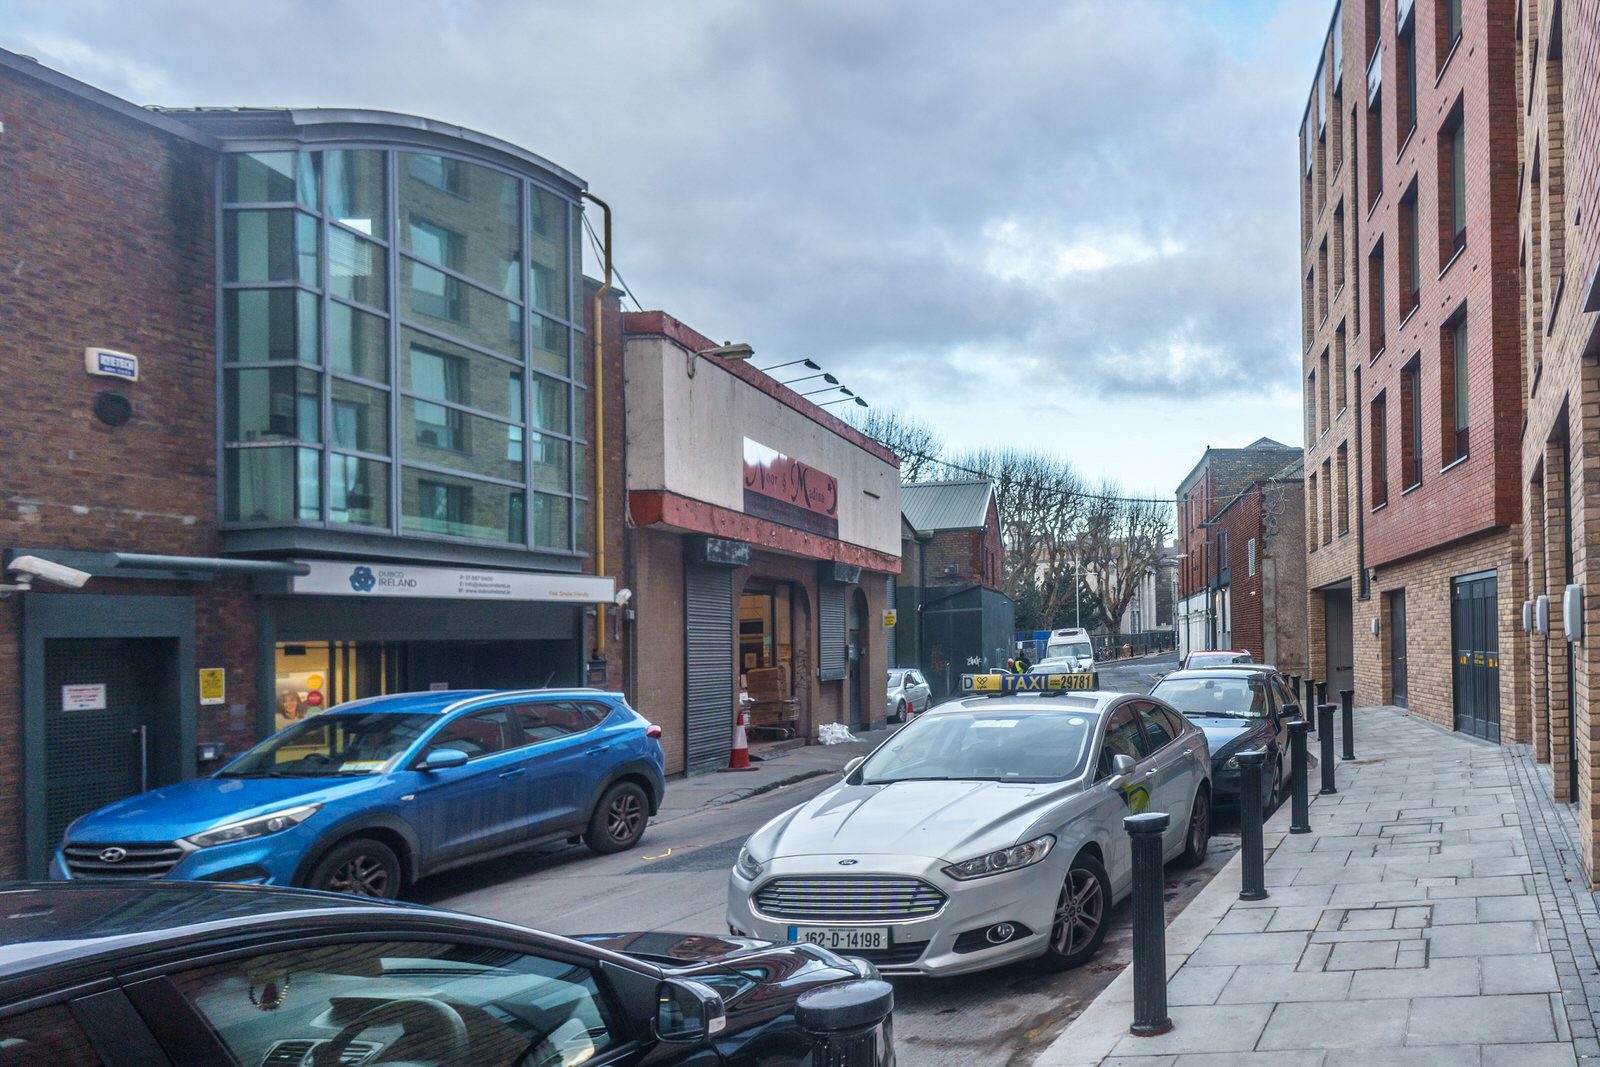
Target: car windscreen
1080,649
1228,698
332,745
1218,659
1025,746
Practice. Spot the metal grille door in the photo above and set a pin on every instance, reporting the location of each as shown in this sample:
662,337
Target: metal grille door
708,665
96,755
1476,647
833,657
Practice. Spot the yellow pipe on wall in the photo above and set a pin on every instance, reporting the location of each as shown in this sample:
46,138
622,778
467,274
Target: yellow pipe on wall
598,438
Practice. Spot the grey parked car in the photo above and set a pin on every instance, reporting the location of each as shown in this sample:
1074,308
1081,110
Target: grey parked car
909,694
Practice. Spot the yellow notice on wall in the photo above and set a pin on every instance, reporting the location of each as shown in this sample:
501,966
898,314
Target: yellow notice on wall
213,685
890,617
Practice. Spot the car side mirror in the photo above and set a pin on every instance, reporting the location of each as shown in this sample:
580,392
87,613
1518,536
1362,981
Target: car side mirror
1122,768
688,1012
1291,712
850,768
442,759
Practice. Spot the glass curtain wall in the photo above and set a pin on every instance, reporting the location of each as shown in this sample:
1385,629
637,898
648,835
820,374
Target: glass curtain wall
401,348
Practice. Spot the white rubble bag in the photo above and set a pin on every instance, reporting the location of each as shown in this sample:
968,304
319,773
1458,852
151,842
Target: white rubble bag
834,733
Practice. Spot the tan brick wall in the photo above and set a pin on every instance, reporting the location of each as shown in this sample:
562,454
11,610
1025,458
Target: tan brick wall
1429,660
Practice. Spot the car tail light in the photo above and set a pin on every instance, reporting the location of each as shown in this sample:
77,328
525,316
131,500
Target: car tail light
652,731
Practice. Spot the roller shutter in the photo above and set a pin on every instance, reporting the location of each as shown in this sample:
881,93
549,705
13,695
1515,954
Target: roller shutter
708,664
832,655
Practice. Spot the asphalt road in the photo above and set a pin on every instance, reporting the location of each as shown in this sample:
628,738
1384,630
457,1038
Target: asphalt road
677,880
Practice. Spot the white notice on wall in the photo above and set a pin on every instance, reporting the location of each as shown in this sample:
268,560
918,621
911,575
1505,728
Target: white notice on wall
83,697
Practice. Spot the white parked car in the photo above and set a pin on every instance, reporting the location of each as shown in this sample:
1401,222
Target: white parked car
909,694
1072,644
986,831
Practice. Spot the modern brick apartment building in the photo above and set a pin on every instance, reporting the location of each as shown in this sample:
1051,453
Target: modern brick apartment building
1330,220
1427,118
1556,197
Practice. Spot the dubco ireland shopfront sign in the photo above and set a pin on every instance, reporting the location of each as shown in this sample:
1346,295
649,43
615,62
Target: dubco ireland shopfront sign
334,578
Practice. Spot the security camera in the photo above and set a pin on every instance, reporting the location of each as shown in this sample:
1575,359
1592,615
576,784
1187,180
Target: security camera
55,573
623,596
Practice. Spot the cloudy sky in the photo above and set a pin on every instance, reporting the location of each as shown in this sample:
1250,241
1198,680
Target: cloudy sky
1064,225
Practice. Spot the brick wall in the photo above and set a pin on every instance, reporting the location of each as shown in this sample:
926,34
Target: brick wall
106,241
955,557
656,566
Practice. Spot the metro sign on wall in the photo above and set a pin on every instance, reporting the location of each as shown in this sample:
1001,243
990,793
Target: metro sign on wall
784,490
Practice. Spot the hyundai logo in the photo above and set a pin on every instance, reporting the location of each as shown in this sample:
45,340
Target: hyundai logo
113,854
847,863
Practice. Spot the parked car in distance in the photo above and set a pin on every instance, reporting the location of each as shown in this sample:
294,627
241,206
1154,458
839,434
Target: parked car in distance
1222,657
185,973
1071,643
909,694
1240,708
1057,665
986,831
371,795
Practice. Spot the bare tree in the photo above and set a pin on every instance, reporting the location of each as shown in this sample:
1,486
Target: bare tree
1121,539
1039,500
916,443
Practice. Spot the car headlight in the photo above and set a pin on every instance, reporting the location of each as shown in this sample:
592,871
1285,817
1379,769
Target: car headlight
260,826
1232,764
746,866
1007,859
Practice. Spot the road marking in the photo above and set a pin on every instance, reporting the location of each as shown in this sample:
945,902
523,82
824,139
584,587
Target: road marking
663,855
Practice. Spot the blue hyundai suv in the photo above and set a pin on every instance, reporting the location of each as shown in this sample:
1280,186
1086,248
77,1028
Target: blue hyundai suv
369,796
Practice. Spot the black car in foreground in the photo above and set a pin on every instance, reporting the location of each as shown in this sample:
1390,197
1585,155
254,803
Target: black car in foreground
190,973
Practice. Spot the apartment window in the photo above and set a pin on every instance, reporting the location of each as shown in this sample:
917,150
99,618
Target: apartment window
1410,259
1312,403
1322,282
1405,61
1452,185
1375,306
1327,501
1308,304
1341,470
1453,382
1371,24
1337,376
1378,435
1411,423
1325,395
1250,555
1339,251
1374,149
1449,21
1554,201
1312,522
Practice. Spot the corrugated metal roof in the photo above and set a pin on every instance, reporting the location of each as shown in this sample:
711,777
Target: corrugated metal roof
953,505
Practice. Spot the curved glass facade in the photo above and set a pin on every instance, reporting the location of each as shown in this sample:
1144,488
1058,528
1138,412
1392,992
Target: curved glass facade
401,347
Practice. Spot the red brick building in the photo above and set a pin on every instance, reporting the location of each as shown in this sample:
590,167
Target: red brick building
1260,534
1205,571
1411,270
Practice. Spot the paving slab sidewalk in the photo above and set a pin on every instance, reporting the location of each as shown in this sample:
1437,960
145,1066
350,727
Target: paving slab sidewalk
1422,921
696,792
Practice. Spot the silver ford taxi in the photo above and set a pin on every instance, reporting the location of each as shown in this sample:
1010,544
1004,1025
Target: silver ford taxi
987,830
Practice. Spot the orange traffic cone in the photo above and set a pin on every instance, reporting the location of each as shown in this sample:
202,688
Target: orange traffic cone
739,757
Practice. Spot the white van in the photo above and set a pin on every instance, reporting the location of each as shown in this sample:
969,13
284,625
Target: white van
1071,643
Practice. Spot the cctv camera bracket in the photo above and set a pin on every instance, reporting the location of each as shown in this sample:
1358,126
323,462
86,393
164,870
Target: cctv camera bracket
24,585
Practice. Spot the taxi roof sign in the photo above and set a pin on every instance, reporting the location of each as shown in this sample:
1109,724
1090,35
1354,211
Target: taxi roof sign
1000,684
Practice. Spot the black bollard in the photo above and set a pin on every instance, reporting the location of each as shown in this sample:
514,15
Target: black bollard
1322,692
1294,685
1325,735
1347,701
1300,788
849,1024
1149,925
1311,703
1253,884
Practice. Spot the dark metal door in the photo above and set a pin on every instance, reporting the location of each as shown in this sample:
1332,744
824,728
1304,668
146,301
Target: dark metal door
1397,649
1340,645
1475,641
708,665
853,644
100,699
